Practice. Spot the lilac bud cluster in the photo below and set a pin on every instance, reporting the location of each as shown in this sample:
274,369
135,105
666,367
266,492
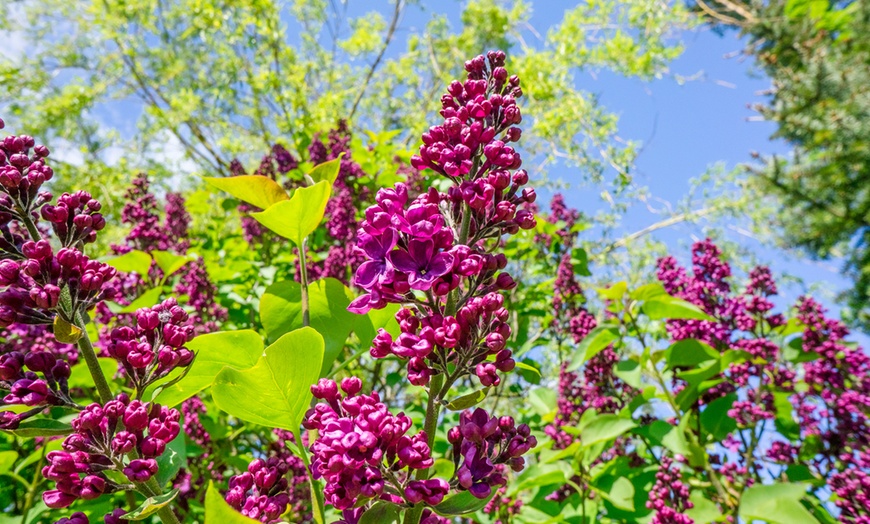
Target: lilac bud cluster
669,496
20,376
481,444
474,339
22,173
34,278
261,492
123,435
147,233
363,451
76,218
154,347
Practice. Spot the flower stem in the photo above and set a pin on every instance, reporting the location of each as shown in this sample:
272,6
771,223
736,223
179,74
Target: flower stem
303,271
316,492
433,409
31,490
87,350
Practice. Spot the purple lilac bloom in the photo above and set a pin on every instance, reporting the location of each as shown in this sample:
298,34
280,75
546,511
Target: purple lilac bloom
362,449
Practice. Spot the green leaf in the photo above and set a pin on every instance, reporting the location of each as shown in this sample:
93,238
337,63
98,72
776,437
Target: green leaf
466,401
276,391
217,511
150,506
168,262
80,376
147,299
64,332
133,262
327,171
43,427
256,190
461,504
328,298
630,372
543,400
214,351
172,460
704,510
648,291
621,494
776,503
715,419
298,217
661,307
689,353
784,420
366,326
605,427
7,460
380,513
597,339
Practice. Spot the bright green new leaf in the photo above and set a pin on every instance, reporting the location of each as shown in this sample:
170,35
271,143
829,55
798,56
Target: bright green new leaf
149,298
168,262
621,494
214,351
605,427
80,376
217,511
328,298
275,392
260,191
669,307
776,503
597,339
7,460
150,506
327,171
132,262
298,217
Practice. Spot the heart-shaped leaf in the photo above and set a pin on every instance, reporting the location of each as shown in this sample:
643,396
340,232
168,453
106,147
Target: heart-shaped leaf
298,217
214,351
328,298
132,262
276,391
260,191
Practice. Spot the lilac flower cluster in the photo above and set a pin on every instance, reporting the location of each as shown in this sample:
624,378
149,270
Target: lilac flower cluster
19,375
261,492
669,496
481,444
147,233
271,484
430,253
123,435
362,450
155,346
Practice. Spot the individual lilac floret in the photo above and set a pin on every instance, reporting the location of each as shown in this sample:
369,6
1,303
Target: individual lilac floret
123,435
362,449
480,444
76,518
